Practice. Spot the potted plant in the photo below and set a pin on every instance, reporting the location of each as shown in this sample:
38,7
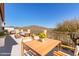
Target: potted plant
42,36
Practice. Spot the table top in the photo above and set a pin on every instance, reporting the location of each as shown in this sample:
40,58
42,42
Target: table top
42,48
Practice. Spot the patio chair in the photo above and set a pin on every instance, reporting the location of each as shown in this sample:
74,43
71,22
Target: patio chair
68,47
36,38
26,39
30,53
60,53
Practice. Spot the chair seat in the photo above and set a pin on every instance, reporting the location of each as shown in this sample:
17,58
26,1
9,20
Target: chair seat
26,39
60,53
29,53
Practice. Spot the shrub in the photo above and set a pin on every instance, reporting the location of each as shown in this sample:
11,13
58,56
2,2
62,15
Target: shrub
2,33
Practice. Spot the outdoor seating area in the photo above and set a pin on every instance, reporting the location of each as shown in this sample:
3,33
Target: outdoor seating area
33,45
30,44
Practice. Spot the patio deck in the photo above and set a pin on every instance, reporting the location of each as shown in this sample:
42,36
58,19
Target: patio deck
12,47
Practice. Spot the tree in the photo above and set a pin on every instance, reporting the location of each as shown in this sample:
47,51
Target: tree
70,27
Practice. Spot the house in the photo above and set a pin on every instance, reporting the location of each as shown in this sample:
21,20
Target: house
1,16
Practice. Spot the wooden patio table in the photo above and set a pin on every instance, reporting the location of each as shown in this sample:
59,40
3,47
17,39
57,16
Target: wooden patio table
42,48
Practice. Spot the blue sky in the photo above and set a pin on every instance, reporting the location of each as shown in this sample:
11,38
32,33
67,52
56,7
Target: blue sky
41,14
